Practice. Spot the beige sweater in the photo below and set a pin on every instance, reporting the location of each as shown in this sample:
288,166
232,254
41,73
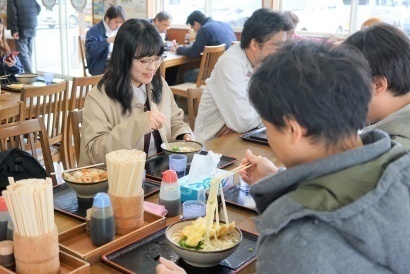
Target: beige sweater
105,129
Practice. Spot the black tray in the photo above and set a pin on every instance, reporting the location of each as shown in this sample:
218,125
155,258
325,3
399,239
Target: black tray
67,202
238,197
155,165
142,256
251,136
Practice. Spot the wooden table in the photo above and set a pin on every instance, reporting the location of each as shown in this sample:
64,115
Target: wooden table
230,145
174,59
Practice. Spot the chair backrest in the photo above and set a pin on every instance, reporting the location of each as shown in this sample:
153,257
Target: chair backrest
81,87
51,102
11,114
194,98
81,44
209,58
75,119
25,134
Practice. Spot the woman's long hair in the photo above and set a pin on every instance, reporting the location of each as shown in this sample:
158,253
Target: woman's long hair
139,38
4,47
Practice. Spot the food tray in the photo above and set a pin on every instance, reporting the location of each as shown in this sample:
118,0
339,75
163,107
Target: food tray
237,197
78,243
67,202
155,165
68,264
250,136
39,82
142,256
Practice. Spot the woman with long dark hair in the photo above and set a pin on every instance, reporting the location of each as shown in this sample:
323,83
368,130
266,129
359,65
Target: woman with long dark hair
10,64
120,112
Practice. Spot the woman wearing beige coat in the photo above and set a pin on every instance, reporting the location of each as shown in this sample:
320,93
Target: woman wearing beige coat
119,111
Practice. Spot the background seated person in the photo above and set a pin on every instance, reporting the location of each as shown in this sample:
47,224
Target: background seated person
339,186
100,38
225,105
208,33
162,22
118,112
9,65
387,49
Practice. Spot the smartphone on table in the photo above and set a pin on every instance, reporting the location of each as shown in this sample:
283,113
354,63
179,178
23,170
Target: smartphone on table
12,53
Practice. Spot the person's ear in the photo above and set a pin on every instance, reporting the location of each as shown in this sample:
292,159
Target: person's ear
254,45
380,85
295,130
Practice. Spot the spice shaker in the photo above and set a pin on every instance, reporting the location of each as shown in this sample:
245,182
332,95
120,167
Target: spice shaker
102,227
169,193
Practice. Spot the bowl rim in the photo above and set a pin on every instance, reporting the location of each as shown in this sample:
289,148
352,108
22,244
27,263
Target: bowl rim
182,141
201,251
84,183
28,75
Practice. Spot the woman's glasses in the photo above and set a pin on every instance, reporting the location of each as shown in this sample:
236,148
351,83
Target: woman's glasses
147,62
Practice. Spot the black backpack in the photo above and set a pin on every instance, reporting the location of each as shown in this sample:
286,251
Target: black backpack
19,164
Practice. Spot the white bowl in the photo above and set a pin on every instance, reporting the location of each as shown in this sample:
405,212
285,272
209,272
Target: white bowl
196,145
87,190
197,257
27,78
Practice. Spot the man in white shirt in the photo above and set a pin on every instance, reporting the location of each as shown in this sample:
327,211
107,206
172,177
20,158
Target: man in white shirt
225,105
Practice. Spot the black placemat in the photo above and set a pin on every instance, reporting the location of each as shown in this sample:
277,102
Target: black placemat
157,164
238,197
256,136
142,256
67,202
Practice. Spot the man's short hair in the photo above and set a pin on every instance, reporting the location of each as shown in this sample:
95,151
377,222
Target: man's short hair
114,12
326,89
263,24
162,16
196,16
387,49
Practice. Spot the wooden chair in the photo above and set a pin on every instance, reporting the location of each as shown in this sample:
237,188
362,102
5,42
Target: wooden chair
51,102
75,119
81,43
194,98
25,134
209,58
11,114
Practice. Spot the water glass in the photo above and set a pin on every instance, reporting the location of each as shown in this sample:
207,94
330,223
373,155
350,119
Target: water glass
244,186
193,209
177,162
48,78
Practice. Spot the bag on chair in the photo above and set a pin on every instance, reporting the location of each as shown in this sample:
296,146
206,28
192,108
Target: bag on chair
19,164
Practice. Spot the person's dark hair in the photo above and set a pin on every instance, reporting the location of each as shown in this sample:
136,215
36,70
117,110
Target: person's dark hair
387,49
139,38
293,17
114,12
326,89
263,24
196,16
163,15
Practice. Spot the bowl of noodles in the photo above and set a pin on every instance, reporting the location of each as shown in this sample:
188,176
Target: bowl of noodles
87,182
188,239
189,148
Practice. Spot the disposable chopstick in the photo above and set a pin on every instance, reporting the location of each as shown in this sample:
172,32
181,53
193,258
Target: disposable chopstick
77,168
235,170
161,130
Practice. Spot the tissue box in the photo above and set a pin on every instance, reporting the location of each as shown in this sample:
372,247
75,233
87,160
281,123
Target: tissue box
197,190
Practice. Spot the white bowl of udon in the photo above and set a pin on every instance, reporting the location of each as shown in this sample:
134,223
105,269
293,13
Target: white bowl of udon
188,148
203,255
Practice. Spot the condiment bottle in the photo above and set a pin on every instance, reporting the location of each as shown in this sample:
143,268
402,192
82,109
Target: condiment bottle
10,230
4,218
102,226
169,193
186,40
7,254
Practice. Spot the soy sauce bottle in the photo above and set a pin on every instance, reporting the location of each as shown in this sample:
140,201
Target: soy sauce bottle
102,226
169,194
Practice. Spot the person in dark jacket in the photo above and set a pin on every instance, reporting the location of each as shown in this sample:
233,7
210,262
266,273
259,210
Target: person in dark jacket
208,33
99,41
10,64
22,21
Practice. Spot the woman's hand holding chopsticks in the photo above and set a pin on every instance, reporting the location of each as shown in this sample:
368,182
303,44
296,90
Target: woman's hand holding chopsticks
261,168
156,119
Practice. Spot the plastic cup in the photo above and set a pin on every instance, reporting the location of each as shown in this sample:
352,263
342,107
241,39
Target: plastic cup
193,209
48,78
244,185
177,162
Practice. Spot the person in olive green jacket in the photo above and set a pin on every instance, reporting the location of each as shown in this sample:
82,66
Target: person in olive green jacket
120,112
387,49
